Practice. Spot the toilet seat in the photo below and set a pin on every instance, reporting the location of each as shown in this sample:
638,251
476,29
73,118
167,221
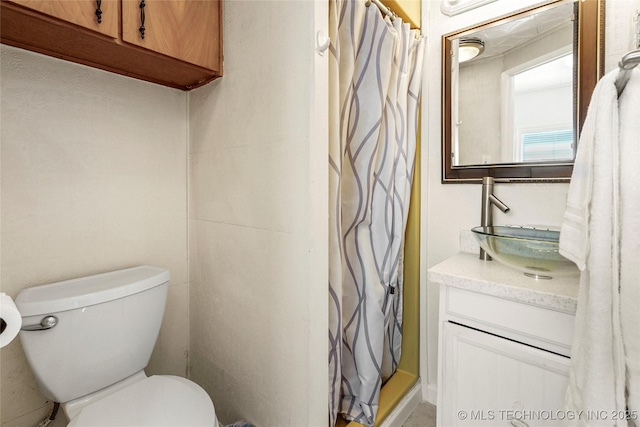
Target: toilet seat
158,401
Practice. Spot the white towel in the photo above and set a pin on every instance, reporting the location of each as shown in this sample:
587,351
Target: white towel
588,238
630,236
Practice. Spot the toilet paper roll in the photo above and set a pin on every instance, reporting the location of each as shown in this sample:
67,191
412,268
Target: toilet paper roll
10,320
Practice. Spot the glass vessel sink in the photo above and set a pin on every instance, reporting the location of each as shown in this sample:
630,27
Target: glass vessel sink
534,251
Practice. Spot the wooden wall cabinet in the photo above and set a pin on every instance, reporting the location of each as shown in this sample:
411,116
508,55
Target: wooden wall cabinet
81,13
179,46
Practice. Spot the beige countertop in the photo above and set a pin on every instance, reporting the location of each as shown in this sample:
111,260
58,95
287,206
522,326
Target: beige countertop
466,271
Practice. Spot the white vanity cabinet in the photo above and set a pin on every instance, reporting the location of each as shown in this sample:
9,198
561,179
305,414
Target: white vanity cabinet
504,345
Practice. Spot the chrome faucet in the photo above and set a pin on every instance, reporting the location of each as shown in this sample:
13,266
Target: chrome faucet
489,199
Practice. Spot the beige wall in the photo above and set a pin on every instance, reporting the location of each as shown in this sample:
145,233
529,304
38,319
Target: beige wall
258,219
94,170
94,178
449,208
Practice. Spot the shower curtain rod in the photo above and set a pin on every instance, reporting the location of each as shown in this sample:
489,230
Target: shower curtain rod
384,9
626,64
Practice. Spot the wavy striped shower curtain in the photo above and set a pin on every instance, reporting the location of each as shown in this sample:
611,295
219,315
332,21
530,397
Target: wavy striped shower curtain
375,79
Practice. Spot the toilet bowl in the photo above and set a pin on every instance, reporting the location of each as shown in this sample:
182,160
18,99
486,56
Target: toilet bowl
88,341
159,400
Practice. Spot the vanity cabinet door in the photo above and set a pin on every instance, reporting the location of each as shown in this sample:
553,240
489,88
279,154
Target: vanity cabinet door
188,30
489,380
79,12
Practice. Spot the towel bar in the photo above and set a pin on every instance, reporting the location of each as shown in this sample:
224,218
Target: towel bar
626,64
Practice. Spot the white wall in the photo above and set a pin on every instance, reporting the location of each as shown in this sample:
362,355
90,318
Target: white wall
449,208
94,178
480,100
258,219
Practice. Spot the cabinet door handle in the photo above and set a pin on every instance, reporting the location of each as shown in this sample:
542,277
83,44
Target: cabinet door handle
141,29
518,423
99,11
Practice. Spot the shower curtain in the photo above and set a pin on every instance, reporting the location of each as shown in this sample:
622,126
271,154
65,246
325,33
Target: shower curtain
375,79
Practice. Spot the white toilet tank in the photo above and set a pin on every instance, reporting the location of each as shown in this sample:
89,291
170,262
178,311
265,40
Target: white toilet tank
107,326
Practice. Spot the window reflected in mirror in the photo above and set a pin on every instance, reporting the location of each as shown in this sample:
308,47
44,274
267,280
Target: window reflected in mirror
541,128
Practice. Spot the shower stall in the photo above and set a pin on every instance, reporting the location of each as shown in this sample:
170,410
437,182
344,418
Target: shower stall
375,81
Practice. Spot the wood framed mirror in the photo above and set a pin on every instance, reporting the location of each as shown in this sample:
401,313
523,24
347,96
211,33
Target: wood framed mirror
515,111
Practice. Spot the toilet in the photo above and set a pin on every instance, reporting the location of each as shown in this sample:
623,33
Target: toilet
88,341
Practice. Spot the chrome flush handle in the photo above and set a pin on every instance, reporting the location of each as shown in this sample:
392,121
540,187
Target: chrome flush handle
47,322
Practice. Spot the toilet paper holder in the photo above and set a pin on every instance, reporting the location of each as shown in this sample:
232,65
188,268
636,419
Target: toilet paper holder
47,322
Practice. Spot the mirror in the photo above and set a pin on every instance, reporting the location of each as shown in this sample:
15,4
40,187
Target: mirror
516,92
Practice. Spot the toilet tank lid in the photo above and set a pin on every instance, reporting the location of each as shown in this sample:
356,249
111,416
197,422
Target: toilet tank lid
90,290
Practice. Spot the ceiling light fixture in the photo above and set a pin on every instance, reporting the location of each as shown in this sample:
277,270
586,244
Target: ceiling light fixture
469,49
